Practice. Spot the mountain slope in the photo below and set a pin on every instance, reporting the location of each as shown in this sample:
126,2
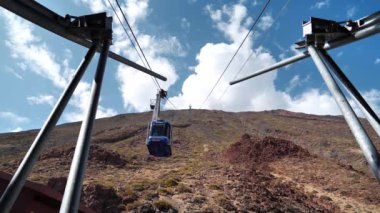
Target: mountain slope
222,161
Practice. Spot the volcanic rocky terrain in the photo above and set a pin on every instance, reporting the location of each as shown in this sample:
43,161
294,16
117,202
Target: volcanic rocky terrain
272,161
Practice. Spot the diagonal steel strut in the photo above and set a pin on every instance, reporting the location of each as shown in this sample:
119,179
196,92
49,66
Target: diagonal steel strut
366,145
322,35
14,188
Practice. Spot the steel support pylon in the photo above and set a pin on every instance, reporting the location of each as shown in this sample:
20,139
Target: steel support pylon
18,180
371,116
361,136
71,197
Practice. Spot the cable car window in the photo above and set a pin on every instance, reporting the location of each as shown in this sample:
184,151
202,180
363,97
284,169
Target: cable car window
158,130
168,130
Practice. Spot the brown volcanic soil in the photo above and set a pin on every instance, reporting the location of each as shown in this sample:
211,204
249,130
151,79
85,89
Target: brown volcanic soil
292,162
96,154
258,190
255,151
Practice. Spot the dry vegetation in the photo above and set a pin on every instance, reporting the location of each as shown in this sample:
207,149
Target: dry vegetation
285,162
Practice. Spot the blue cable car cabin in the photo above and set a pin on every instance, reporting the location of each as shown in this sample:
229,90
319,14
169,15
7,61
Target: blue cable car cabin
159,138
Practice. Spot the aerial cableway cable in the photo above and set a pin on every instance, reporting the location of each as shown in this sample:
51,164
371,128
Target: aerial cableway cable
137,42
250,55
167,99
130,39
145,60
233,57
126,31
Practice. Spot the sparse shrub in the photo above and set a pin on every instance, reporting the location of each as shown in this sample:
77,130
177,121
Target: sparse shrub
214,187
129,196
170,182
127,191
143,185
324,197
146,208
138,187
347,206
226,204
133,206
198,200
163,205
208,209
334,154
165,191
182,188
151,195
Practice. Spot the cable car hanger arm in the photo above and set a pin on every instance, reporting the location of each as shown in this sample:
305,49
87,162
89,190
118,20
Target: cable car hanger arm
51,21
362,28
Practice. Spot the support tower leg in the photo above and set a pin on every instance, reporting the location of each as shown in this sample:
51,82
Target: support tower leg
16,184
371,116
361,136
71,197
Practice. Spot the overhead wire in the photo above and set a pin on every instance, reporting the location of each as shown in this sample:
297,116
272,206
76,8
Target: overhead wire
130,28
167,99
137,42
146,63
250,55
125,30
241,44
236,75
130,39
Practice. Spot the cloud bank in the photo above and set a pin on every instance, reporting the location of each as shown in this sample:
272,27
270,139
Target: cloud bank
138,88
35,56
256,94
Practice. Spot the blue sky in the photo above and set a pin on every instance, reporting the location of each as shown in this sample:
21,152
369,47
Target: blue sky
190,42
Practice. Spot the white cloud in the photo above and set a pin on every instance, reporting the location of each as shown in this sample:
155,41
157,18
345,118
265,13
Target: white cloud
295,82
377,61
321,4
212,60
28,48
185,24
133,9
232,28
41,99
80,101
22,66
315,102
351,11
136,87
257,94
163,46
13,72
136,10
373,98
17,129
13,118
79,115
36,56
96,6
266,22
